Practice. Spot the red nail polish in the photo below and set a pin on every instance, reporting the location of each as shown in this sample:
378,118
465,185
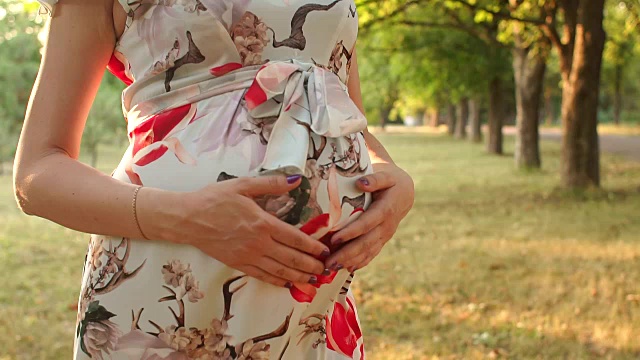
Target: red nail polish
364,181
313,280
288,285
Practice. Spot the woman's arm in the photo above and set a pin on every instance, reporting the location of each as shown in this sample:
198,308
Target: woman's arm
393,196
49,182
222,219
377,152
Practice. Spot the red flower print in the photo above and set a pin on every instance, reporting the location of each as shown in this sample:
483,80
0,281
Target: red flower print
271,80
223,69
155,136
118,68
343,330
323,225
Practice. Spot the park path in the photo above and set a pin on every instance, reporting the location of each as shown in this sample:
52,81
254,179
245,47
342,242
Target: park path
624,145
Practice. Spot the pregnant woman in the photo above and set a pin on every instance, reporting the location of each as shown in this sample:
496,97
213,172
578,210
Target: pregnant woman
250,192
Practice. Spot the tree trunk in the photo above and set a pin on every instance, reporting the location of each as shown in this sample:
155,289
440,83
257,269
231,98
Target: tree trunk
580,150
617,97
94,155
549,112
435,117
451,119
463,117
494,143
474,120
385,111
528,67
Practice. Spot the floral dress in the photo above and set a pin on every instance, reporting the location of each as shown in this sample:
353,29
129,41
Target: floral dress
219,89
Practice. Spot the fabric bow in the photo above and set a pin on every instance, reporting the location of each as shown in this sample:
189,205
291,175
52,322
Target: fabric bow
305,98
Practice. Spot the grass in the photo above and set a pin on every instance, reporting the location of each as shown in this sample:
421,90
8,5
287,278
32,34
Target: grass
490,263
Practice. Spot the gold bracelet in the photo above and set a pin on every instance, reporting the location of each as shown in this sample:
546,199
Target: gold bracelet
135,213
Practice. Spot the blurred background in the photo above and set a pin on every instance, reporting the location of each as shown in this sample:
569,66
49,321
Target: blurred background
519,121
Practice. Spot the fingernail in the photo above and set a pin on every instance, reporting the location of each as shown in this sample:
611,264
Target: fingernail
364,181
325,253
326,272
313,280
288,285
339,267
337,241
293,178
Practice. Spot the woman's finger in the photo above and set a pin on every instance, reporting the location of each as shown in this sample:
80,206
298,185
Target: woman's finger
374,216
262,275
379,180
357,250
263,185
277,269
292,237
294,259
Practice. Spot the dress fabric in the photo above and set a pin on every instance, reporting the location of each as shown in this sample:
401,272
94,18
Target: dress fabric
219,89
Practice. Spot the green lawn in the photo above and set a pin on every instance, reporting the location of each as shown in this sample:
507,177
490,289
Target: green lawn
491,263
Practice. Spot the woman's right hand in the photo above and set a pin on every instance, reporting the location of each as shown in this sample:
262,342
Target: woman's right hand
224,221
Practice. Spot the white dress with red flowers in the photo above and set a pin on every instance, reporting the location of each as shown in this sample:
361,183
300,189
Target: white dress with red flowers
219,89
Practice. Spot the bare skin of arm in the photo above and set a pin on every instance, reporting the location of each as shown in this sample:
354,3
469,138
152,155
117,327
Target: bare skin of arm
51,183
393,196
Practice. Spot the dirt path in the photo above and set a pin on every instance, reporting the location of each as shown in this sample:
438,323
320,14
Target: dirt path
624,145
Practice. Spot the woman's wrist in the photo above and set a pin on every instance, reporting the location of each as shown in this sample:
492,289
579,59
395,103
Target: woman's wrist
159,212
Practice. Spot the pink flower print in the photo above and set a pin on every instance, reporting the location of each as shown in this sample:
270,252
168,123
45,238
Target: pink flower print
174,271
189,287
253,351
249,35
180,277
100,336
139,345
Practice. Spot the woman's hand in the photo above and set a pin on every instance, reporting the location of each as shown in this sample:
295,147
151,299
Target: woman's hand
393,195
224,221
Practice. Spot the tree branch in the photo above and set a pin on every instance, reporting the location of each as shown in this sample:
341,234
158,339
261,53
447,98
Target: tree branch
390,15
500,14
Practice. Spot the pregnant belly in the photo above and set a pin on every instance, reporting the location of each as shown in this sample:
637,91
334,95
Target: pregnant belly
293,118
217,139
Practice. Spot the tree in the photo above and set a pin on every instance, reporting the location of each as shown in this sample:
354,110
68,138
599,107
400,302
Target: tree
105,121
463,119
530,51
19,62
580,52
621,24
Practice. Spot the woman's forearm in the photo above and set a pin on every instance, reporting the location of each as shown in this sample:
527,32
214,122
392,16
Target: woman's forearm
77,196
377,152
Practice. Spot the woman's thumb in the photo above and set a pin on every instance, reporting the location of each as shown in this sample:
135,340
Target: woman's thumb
270,184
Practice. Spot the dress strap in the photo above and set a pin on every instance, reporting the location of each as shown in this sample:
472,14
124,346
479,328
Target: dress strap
47,7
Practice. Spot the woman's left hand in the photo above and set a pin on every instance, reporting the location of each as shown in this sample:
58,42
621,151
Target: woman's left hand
393,194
